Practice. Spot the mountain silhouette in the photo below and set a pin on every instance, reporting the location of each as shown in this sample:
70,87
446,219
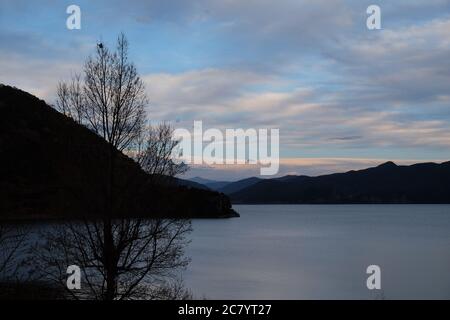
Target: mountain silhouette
226,187
52,167
236,186
210,184
386,183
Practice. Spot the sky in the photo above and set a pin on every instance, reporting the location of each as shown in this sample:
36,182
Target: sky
343,97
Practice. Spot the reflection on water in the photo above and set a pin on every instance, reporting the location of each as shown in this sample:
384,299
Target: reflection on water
283,251
115,259
317,252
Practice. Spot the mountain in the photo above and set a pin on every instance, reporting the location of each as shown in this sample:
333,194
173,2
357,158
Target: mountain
52,167
201,180
210,184
236,186
217,186
386,183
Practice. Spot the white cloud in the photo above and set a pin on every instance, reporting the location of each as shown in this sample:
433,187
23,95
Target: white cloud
37,76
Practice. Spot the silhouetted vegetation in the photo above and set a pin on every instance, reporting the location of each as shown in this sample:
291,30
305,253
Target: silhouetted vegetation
53,168
147,257
155,153
71,165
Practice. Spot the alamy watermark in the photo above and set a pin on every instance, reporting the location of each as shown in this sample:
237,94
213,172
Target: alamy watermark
74,279
230,147
373,22
374,279
73,21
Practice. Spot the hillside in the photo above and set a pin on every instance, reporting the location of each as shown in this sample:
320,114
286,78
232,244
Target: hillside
386,183
210,184
51,167
236,186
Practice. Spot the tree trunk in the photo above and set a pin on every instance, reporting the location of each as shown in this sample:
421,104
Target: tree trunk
108,239
110,265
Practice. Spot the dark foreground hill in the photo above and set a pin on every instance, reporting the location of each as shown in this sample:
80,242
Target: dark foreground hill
52,167
226,187
387,183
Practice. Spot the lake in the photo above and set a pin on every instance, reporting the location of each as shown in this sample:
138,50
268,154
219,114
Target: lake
322,252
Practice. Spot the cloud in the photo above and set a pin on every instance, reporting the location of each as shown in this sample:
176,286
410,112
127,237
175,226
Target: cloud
37,76
35,62
200,87
307,117
310,68
393,64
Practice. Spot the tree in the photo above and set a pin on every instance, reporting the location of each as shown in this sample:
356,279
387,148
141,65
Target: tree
117,256
156,153
148,255
70,99
112,99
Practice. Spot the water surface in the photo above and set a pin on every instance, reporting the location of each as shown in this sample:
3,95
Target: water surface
322,252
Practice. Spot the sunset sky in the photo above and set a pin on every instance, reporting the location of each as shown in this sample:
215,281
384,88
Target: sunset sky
344,97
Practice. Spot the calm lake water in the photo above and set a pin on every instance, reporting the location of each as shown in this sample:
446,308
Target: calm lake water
322,252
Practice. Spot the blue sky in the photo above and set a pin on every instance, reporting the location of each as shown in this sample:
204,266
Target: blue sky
341,95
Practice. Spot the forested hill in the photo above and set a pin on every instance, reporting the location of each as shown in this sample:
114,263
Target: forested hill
52,167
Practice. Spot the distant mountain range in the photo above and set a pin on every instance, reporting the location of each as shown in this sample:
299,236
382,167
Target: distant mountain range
210,184
52,167
386,183
226,187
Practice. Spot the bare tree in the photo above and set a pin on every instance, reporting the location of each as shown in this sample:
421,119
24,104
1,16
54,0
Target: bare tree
148,256
120,258
112,98
71,100
157,153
